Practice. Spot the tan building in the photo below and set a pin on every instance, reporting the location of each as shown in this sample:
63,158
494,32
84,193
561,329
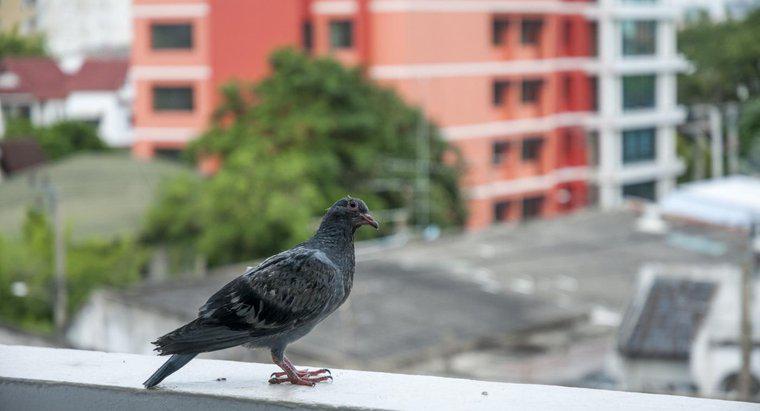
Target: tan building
18,13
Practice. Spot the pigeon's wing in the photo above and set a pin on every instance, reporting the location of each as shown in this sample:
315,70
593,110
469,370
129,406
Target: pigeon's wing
284,291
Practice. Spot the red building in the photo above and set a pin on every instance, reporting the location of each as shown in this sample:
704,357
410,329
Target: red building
511,83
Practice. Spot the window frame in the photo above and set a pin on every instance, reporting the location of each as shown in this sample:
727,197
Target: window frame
499,152
530,94
535,204
163,87
499,92
165,24
499,30
640,185
530,149
500,210
640,100
638,44
531,31
334,39
635,149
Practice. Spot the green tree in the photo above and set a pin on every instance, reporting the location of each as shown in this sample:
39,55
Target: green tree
59,139
14,44
726,59
28,263
310,133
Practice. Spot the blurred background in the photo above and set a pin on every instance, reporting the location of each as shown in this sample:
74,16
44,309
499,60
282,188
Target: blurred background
568,190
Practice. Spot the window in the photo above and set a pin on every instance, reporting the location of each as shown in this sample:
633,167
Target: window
501,211
531,148
341,34
531,91
530,31
499,95
499,27
500,149
592,148
639,145
171,36
594,85
639,37
594,41
173,99
307,36
639,92
644,190
532,207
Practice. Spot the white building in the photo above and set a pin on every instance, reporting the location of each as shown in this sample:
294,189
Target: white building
638,110
76,28
98,92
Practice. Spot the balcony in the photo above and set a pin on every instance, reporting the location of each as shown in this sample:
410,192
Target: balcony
46,378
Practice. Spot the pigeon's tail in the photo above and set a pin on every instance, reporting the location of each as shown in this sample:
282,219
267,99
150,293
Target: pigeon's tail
197,337
174,363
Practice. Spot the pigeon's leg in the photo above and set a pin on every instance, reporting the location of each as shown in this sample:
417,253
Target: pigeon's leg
292,375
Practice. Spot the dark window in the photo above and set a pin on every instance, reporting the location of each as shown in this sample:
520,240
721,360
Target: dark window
532,207
639,92
500,149
341,34
500,88
173,99
594,93
639,37
592,148
171,36
531,91
306,36
639,145
567,34
530,31
499,28
531,148
501,211
644,190
594,41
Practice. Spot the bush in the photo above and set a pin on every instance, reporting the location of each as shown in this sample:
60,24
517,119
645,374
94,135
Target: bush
89,265
60,139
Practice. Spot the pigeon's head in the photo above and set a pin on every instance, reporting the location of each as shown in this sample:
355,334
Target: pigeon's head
352,211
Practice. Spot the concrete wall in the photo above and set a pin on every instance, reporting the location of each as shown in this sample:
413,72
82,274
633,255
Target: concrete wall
43,378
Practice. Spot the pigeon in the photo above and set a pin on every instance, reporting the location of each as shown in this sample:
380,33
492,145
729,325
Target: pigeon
278,301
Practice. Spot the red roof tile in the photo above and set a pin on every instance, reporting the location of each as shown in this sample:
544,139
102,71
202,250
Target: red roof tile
39,76
100,74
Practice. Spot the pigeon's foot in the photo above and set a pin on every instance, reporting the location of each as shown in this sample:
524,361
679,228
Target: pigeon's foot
303,373
307,380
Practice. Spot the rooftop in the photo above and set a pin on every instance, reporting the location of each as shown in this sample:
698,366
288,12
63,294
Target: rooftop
37,378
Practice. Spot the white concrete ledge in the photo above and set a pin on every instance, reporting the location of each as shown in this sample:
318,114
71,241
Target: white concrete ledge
34,378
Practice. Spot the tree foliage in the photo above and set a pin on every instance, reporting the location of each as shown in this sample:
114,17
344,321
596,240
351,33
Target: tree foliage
14,44
310,133
28,263
726,59
59,139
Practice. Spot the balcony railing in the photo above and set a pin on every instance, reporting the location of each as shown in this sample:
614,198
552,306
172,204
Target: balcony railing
34,378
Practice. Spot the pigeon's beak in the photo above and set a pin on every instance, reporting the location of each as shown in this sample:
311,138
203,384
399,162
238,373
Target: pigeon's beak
367,217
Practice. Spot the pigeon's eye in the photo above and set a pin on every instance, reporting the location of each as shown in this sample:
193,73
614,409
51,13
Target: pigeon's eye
352,205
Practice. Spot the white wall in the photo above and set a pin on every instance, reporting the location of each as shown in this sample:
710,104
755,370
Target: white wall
113,113
73,27
712,363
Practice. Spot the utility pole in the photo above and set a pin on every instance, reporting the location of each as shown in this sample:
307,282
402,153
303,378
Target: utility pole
716,134
422,198
732,145
60,297
745,293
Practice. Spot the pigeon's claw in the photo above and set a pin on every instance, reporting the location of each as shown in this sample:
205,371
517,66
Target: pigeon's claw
306,380
302,373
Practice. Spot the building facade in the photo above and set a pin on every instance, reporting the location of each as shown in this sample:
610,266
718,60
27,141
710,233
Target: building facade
553,104
20,15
